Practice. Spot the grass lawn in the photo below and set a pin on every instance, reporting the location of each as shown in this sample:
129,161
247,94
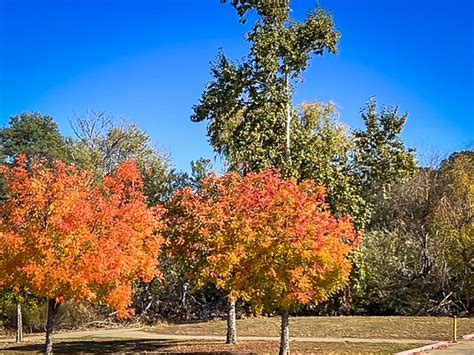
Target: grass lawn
396,328
100,345
431,328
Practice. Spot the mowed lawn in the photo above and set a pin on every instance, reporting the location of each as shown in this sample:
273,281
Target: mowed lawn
101,345
398,329
431,328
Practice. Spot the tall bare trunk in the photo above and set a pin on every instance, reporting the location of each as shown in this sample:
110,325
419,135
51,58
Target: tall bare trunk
231,324
53,307
285,334
288,117
19,323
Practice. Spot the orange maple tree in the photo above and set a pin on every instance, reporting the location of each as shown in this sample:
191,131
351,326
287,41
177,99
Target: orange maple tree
64,236
267,240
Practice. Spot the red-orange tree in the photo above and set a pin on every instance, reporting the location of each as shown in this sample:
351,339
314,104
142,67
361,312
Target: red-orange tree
64,236
268,240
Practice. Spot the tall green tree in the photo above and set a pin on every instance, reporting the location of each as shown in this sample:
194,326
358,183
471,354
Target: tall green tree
381,157
249,104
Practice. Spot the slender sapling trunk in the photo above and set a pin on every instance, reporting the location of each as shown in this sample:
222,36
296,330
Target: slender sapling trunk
231,324
19,323
53,307
285,334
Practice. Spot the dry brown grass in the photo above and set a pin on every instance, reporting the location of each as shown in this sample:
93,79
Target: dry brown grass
433,328
97,345
396,328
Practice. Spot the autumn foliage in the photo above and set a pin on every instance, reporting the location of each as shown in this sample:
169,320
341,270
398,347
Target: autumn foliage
262,238
64,236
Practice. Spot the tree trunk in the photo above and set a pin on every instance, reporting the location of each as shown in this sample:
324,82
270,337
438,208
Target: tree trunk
19,323
231,324
285,334
288,117
53,307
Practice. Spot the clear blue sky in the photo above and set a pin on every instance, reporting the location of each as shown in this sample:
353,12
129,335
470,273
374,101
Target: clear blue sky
148,61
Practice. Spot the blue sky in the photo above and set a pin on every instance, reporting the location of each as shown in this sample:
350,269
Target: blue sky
148,61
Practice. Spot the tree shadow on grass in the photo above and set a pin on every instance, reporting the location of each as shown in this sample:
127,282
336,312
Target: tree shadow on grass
167,346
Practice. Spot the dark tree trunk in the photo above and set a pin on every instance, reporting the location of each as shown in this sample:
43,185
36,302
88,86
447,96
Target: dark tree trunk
231,324
19,323
53,307
285,334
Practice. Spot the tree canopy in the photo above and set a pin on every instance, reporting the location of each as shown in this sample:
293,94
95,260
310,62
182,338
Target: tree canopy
267,240
33,134
249,104
62,236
